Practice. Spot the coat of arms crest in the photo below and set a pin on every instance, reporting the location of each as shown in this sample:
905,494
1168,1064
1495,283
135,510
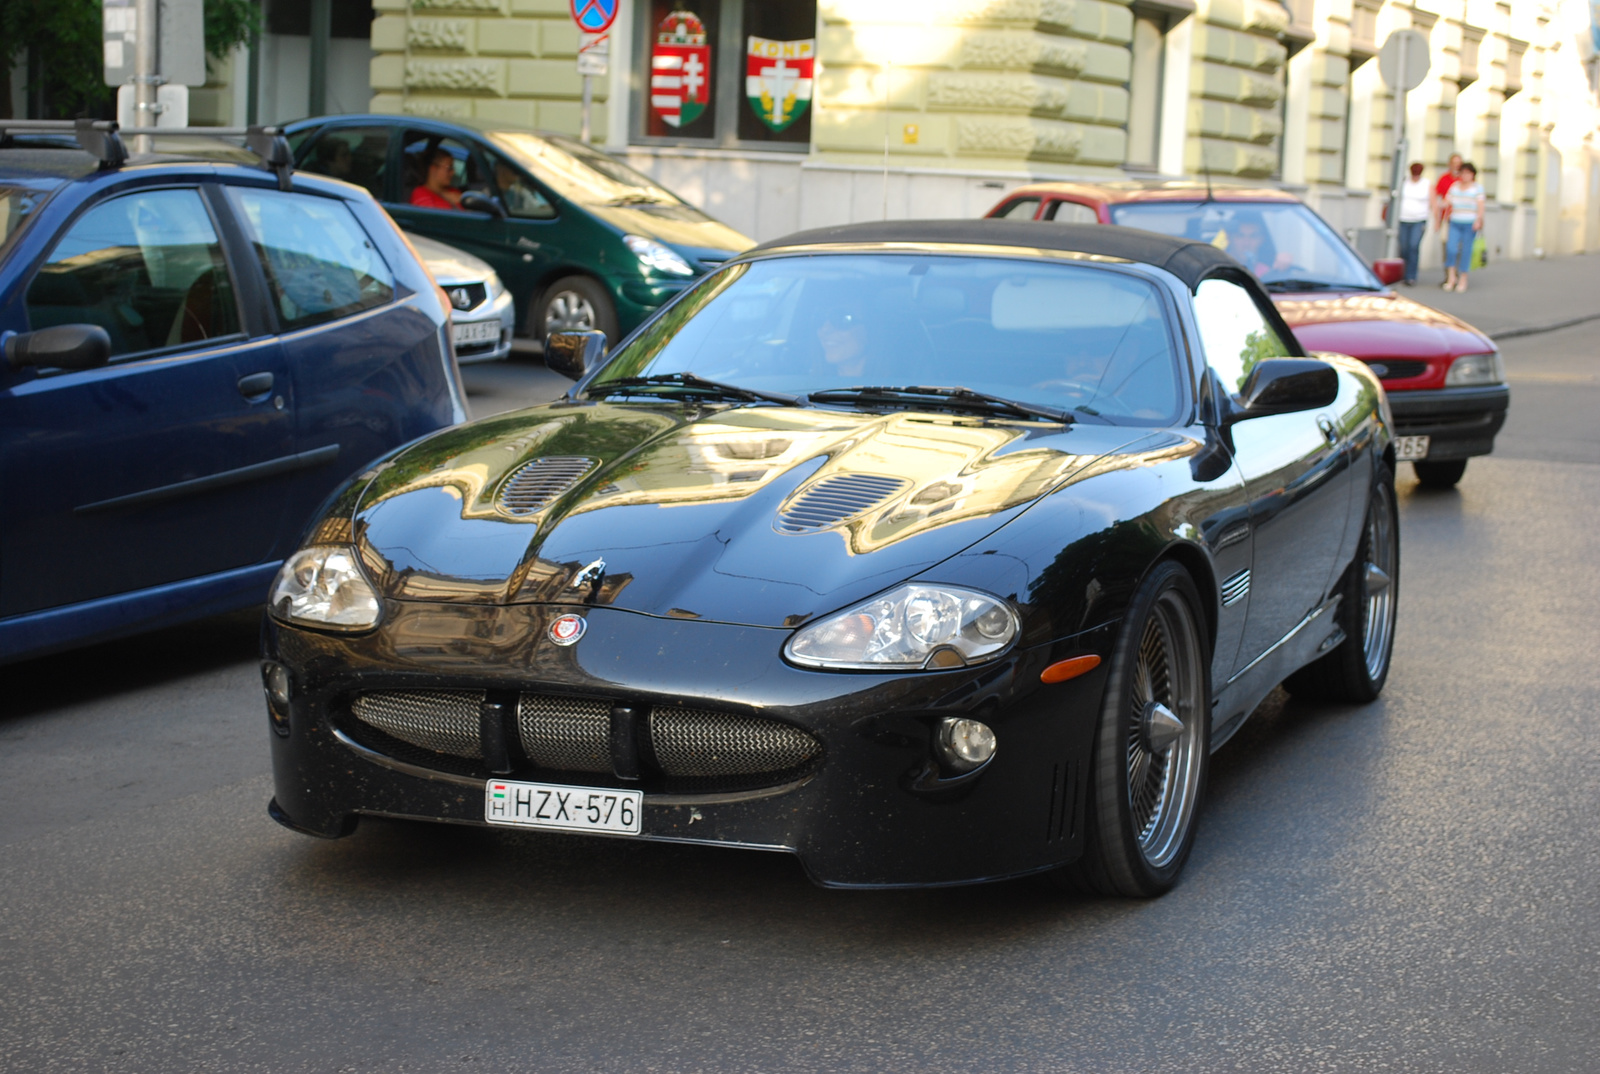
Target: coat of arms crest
680,69
778,79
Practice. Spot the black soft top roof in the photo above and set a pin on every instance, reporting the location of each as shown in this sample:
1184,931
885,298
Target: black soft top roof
1186,259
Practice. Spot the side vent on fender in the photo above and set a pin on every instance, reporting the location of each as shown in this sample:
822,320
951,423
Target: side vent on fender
834,499
535,485
1236,588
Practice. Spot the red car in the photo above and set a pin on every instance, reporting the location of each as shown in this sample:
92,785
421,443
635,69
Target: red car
1444,378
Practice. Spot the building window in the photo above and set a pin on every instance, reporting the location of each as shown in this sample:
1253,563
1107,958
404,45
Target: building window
733,73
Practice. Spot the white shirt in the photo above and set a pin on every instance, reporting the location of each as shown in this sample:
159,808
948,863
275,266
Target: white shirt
1414,200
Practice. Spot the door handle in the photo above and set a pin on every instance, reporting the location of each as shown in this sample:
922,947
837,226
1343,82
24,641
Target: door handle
1328,430
255,384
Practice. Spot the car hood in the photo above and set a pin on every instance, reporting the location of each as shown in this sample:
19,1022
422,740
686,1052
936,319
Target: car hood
1368,324
680,227
448,264
754,515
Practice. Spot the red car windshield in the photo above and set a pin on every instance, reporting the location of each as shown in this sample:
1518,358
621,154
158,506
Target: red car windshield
1285,244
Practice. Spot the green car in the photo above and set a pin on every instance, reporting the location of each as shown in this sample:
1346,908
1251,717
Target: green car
582,241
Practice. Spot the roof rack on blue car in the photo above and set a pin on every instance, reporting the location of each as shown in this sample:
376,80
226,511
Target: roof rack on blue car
102,139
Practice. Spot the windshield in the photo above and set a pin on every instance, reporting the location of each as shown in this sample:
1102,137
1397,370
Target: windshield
588,176
1091,340
17,203
1283,243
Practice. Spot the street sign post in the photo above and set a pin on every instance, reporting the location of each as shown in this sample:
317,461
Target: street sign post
1402,64
153,70
594,19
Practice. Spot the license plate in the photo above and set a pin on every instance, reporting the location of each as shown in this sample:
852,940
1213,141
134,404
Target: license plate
1409,448
475,332
566,809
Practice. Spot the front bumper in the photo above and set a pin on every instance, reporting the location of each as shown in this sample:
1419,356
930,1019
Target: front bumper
1460,422
500,311
875,810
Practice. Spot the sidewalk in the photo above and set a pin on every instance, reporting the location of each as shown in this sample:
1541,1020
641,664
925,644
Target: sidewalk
1518,298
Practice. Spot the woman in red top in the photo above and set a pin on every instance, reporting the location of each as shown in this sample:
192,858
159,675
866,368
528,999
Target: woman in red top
436,191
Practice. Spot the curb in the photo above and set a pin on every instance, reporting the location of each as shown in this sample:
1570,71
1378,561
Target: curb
1536,329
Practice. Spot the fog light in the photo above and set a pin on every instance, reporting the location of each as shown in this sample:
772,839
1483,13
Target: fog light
275,678
965,744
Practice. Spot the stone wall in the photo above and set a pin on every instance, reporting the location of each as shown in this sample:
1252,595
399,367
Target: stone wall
500,61
1236,88
962,83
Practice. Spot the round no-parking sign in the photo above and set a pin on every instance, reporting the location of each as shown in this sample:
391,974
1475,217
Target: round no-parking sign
593,16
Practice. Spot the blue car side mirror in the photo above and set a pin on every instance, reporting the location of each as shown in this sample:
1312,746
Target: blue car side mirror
65,346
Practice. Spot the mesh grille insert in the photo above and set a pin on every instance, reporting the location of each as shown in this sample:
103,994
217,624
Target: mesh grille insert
444,721
834,499
535,485
571,734
1397,368
693,742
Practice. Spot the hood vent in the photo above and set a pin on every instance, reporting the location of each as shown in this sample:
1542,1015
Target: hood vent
537,484
834,499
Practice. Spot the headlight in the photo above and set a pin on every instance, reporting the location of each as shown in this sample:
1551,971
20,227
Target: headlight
1475,369
913,627
492,286
324,587
653,255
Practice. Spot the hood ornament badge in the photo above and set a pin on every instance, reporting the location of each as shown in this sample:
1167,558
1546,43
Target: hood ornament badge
568,629
592,576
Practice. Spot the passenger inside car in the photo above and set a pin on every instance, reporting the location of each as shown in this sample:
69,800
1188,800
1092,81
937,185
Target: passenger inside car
435,191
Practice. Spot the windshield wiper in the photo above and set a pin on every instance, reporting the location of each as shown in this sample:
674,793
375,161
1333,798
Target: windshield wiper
959,397
695,383
1295,284
637,199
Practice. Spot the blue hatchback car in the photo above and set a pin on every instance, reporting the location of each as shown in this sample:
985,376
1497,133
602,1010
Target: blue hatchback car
197,350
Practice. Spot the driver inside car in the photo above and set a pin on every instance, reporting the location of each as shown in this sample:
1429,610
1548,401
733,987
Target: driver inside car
1252,247
435,191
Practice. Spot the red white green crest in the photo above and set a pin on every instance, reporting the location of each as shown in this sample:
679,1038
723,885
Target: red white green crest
778,79
680,69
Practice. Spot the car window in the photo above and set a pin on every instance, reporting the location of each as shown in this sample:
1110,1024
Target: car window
466,170
147,267
1069,336
585,175
357,155
1021,209
1283,243
1233,331
319,263
1071,212
517,192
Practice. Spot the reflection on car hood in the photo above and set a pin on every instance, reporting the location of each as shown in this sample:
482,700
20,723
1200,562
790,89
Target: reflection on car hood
675,227
1383,325
757,515
447,264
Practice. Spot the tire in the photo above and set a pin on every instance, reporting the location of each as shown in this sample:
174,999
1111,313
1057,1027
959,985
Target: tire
574,304
1145,795
1358,667
1440,475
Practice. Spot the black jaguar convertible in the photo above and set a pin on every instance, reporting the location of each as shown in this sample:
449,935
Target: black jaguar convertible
928,552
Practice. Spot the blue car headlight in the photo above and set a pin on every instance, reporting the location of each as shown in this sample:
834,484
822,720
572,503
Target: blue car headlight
911,628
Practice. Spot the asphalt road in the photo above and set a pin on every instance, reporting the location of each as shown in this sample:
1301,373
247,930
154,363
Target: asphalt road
1404,886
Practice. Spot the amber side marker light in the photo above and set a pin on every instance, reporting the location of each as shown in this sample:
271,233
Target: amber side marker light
1062,670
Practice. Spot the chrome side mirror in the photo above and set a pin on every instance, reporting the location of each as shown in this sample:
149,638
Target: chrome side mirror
574,354
1284,386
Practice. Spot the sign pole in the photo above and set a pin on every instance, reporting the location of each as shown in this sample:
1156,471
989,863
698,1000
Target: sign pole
146,110
588,99
1392,246
594,19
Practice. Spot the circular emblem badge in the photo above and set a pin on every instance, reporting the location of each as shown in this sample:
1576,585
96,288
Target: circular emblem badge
568,629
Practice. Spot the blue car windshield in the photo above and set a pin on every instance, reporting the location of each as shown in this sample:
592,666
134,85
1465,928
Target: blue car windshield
1285,244
1075,337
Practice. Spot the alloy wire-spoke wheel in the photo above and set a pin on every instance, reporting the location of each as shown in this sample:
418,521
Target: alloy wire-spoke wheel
568,311
1378,572
1152,747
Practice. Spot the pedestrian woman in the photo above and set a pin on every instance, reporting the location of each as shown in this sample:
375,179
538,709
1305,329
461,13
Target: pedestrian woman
1466,205
1416,205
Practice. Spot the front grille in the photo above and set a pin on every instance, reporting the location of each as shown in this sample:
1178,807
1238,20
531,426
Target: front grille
535,485
693,742
1397,368
834,499
445,721
570,734
686,748
466,296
